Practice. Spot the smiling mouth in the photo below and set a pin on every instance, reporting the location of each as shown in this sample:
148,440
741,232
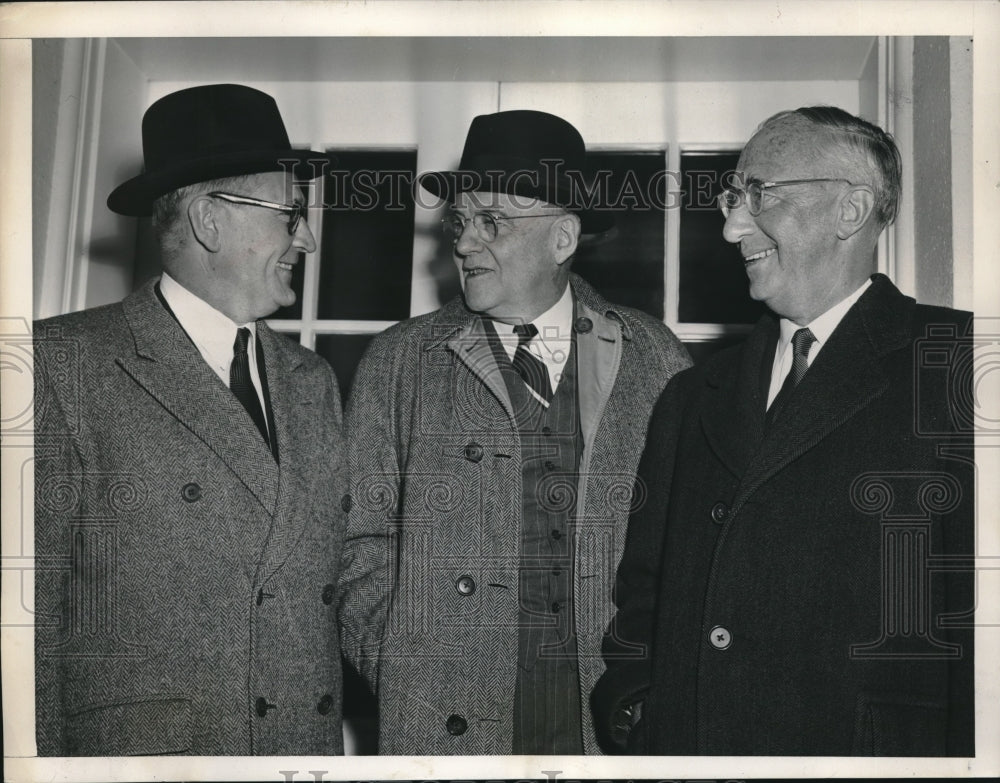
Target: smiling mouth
288,266
476,271
748,260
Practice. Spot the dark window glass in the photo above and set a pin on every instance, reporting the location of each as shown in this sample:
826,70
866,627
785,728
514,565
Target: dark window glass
294,312
626,263
343,352
367,251
713,283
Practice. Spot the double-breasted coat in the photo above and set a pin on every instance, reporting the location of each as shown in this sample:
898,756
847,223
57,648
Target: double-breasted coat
430,602
185,583
806,590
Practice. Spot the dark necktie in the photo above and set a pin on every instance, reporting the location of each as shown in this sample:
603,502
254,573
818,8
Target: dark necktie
531,369
802,340
241,383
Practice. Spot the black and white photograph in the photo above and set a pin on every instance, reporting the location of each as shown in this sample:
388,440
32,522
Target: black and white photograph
492,389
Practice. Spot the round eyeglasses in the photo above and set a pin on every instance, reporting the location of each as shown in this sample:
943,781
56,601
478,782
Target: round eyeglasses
752,194
295,212
485,223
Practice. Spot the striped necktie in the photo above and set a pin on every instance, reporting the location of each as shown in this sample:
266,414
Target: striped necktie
241,383
532,370
802,341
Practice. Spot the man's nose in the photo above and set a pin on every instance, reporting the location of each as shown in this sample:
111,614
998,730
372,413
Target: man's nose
469,240
739,223
304,239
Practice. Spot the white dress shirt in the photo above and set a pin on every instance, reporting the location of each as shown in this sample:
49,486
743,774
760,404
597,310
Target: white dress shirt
212,333
821,327
554,338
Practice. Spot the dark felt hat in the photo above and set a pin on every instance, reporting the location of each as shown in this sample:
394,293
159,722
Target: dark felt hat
209,132
524,153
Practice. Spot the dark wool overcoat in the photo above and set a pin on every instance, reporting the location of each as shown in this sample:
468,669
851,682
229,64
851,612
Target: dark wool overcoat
186,583
807,590
436,483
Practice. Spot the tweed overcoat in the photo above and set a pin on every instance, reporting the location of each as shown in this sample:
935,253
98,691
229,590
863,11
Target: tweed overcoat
436,483
807,590
185,589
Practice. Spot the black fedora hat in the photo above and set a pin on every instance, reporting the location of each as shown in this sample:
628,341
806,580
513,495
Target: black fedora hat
523,153
209,132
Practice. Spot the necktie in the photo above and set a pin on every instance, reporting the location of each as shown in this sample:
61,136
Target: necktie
531,369
241,383
802,340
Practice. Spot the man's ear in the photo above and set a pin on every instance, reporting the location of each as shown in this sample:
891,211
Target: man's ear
566,232
857,209
202,216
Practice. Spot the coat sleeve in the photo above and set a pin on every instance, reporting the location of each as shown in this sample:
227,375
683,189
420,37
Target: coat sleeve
368,562
58,491
628,641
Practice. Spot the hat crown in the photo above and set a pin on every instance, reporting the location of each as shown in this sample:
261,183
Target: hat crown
215,119
521,138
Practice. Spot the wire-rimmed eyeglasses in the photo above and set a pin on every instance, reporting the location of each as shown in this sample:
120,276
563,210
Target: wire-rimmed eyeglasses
485,223
752,194
295,212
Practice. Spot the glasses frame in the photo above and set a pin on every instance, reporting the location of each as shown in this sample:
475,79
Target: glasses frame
481,221
295,212
762,187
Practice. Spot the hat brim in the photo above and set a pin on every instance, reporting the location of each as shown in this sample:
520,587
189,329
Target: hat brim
447,185
135,197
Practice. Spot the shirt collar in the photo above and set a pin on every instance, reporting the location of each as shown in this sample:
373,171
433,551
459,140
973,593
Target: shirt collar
822,326
554,325
212,332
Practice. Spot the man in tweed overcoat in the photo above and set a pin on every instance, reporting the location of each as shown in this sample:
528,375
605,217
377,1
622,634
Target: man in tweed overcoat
491,488
800,581
187,542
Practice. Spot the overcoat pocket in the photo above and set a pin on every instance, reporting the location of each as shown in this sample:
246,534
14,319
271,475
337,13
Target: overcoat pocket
899,725
151,726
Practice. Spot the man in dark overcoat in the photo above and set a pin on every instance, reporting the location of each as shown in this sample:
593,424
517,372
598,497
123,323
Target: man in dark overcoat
493,452
190,468
799,579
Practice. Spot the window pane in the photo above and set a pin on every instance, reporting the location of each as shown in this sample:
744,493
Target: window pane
367,251
627,266
713,282
343,352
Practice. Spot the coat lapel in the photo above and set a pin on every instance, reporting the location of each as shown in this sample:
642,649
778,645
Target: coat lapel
294,410
599,356
733,416
168,366
846,377
472,347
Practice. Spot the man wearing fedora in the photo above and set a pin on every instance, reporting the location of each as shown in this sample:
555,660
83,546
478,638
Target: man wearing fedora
190,468
493,450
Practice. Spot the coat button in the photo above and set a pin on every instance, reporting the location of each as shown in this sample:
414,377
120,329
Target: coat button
327,594
262,705
465,585
720,638
582,325
550,465
556,606
346,503
720,512
191,492
473,452
456,725
546,430
556,534
260,596
325,705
